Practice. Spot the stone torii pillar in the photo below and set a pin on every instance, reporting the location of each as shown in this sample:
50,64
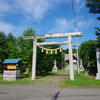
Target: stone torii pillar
61,35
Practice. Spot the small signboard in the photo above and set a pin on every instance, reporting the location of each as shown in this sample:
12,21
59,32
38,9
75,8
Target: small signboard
11,66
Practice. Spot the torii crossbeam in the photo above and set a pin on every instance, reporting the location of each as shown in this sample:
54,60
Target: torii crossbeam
61,35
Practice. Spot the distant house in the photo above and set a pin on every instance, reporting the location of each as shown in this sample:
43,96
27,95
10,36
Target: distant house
74,62
74,58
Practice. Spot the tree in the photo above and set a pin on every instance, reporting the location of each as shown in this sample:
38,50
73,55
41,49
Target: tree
45,61
3,47
88,49
26,47
94,7
73,49
11,38
12,49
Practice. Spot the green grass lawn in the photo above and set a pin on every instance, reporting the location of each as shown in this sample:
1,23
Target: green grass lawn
80,81
24,79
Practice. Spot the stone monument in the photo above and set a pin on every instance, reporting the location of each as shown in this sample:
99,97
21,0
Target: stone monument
88,68
55,69
81,68
98,63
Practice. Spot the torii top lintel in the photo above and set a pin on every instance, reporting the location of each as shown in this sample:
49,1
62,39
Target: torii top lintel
60,35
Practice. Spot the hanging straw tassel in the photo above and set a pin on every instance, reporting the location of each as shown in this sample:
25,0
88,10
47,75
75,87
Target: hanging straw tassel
60,49
42,50
55,51
51,52
47,52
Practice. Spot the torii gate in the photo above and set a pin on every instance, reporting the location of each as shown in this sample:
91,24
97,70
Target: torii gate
61,35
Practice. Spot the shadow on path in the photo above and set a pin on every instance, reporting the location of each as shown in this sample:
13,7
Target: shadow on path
56,96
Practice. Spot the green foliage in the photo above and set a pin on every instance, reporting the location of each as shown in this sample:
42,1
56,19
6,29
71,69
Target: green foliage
74,51
12,49
3,47
97,32
45,61
18,48
25,48
88,49
67,51
94,7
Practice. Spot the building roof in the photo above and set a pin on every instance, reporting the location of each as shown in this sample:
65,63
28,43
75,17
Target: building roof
67,56
11,61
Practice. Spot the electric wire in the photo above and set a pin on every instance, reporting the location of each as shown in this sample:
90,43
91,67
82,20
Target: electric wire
73,13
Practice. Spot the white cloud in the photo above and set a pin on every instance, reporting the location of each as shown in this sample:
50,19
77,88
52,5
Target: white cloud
6,6
79,4
62,25
77,1
3,7
84,24
6,27
15,30
35,9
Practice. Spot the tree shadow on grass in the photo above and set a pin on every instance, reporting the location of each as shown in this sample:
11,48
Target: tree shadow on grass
44,74
24,76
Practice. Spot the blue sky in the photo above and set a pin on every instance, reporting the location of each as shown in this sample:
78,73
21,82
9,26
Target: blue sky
47,17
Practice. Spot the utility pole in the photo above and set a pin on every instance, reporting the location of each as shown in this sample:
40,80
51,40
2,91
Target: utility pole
77,49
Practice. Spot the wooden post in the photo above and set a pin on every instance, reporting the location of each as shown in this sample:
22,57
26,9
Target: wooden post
71,59
34,59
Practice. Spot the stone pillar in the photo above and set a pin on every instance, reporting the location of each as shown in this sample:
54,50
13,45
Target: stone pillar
98,63
71,59
34,59
55,69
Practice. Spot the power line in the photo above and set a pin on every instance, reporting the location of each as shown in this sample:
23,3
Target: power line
73,13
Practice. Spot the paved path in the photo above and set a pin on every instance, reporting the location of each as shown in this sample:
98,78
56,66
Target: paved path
46,92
